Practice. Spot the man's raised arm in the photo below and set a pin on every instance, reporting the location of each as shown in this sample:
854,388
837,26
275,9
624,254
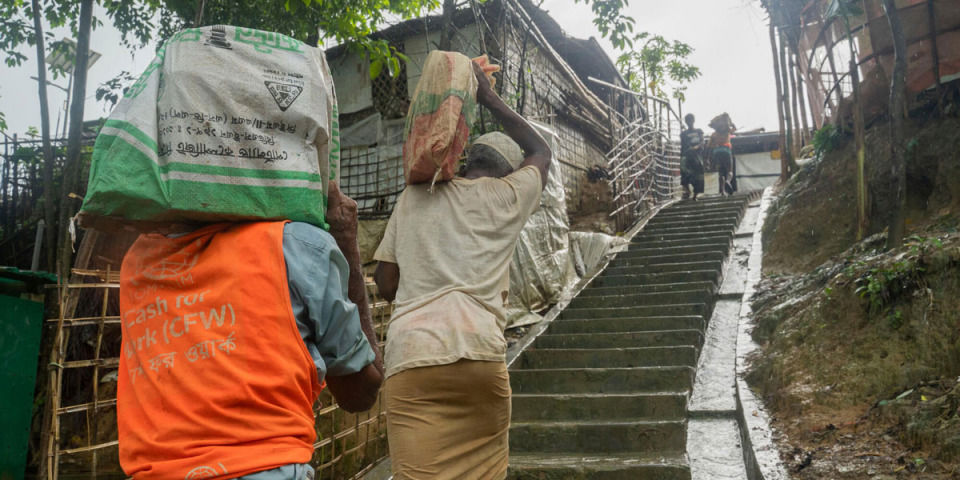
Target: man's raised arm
534,146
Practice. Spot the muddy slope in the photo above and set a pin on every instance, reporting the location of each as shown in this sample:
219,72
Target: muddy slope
814,217
861,347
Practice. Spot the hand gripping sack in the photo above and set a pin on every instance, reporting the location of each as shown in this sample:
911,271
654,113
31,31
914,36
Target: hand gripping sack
439,119
226,124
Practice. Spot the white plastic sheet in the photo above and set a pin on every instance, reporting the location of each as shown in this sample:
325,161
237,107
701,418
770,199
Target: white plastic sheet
589,249
550,259
541,266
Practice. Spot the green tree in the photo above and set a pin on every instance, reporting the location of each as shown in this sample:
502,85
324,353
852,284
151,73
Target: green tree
659,67
49,212
311,21
609,19
21,24
71,165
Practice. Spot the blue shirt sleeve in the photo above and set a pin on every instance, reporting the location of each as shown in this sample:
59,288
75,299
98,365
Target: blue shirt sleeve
328,321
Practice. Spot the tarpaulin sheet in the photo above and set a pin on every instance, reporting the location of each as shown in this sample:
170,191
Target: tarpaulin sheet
541,266
756,171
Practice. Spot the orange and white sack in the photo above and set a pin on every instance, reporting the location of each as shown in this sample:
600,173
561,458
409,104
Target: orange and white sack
443,110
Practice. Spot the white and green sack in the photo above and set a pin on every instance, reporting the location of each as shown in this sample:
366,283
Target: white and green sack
226,124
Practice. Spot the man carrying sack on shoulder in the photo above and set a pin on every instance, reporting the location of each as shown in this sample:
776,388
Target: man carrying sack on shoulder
229,334
445,260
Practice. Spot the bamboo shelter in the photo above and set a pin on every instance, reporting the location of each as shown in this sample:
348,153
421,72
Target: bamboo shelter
833,59
567,84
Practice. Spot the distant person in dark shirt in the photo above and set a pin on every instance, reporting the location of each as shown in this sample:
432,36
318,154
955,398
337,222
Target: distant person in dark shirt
691,165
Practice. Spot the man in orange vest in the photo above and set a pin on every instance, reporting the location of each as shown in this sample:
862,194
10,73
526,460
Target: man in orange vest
229,334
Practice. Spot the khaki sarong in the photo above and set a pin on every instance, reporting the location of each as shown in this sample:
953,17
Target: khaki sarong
449,421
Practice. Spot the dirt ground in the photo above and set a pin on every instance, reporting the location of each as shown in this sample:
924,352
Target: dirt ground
818,203
594,207
861,347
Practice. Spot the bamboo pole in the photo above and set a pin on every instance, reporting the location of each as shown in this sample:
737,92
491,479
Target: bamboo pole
49,193
836,79
15,194
93,415
935,52
72,165
898,169
859,139
447,27
784,172
4,203
794,109
785,99
801,100
50,438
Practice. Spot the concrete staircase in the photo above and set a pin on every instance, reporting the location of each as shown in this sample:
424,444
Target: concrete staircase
603,393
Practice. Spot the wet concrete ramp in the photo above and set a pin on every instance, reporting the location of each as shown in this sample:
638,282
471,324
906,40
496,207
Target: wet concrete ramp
603,393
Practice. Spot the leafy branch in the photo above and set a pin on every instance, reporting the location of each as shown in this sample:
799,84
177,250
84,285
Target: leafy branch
659,66
611,22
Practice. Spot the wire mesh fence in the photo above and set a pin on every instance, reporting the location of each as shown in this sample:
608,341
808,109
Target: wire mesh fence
22,195
373,176
645,164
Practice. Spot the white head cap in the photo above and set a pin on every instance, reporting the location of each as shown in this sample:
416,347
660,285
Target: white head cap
503,145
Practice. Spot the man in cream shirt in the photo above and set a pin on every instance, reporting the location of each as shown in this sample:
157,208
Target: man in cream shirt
445,259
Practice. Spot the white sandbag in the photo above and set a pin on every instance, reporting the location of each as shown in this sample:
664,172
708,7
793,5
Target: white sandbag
226,124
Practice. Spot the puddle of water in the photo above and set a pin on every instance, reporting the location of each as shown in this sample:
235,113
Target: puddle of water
714,450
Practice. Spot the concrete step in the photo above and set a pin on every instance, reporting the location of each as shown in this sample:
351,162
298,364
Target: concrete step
603,393
718,210
685,355
665,268
637,299
692,220
713,199
730,216
682,309
706,203
654,338
708,223
639,252
577,466
652,288
664,436
715,229
704,206
602,380
656,278
722,241
624,406
624,261
640,324
644,236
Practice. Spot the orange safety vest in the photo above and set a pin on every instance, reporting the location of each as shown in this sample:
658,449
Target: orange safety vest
215,380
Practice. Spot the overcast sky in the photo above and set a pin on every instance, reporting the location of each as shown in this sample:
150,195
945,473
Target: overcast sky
731,45
729,38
